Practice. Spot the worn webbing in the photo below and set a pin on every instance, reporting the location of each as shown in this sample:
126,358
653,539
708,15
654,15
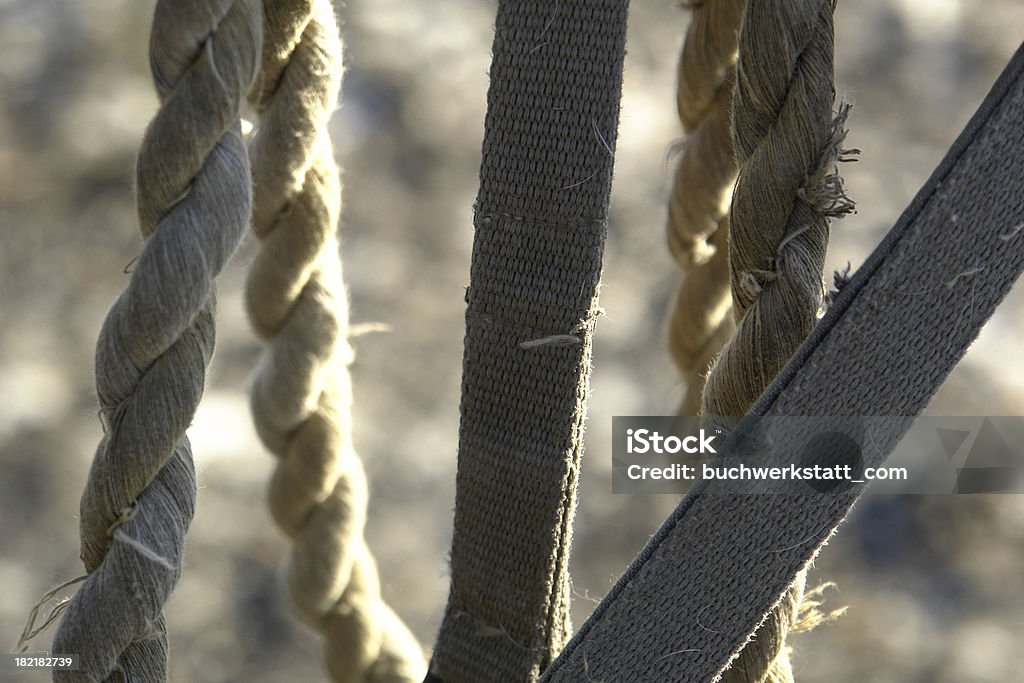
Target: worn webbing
540,220
707,578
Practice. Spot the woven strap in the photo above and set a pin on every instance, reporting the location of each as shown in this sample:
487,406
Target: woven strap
540,220
719,563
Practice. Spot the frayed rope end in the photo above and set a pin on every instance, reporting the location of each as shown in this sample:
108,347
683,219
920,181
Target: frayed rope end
824,188
810,614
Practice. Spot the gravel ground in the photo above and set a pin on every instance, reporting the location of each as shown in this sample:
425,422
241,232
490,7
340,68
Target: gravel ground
934,583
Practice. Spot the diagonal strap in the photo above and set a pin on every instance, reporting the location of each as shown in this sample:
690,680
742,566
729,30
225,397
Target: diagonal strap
541,220
707,579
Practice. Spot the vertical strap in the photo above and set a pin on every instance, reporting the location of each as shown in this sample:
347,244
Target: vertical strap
540,220
707,579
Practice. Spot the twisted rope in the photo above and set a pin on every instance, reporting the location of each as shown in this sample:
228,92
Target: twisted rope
301,394
698,221
787,144
194,201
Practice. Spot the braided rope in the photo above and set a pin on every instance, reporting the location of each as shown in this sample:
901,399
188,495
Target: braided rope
301,394
787,144
157,339
698,207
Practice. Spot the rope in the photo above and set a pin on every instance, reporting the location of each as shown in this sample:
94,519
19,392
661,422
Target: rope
787,145
698,207
301,395
156,341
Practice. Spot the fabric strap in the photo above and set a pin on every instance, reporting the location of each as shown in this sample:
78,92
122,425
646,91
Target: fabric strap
707,579
540,224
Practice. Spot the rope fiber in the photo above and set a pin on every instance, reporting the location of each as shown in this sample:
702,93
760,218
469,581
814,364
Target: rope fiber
301,394
787,143
194,203
698,223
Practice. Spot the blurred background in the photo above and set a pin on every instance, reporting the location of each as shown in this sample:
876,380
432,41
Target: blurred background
934,584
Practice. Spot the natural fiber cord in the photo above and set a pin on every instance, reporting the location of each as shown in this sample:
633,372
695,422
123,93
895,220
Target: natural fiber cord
157,339
698,221
301,394
787,146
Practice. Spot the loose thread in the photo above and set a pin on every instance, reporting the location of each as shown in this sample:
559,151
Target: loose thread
142,549
30,630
